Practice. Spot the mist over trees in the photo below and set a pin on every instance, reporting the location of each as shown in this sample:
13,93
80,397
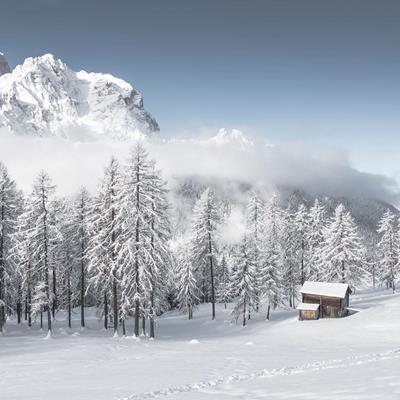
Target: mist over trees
120,250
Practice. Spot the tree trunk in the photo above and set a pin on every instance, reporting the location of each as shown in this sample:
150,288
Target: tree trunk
26,309
69,303
123,327
268,311
54,308
29,309
211,275
244,312
105,310
82,291
143,325
115,303
19,312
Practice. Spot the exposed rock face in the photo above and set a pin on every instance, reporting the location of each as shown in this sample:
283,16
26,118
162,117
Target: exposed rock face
4,67
43,97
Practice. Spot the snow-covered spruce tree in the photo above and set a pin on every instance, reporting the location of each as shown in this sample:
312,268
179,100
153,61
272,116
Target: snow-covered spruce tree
81,222
315,240
389,248
105,228
22,258
343,255
143,239
224,290
290,260
41,234
68,257
206,220
245,281
187,284
300,222
159,234
10,205
56,257
255,227
271,275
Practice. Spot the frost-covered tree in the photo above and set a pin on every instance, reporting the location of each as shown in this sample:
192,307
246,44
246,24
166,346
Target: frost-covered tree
206,220
225,292
187,284
105,229
315,240
300,223
290,260
81,216
388,247
271,274
245,281
68,259
255,227
342,256
41,235
10,201
143,233
159,234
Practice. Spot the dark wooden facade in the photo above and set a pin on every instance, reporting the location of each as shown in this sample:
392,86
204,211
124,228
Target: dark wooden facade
329,307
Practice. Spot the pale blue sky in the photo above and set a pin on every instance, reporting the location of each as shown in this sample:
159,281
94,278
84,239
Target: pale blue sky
326,72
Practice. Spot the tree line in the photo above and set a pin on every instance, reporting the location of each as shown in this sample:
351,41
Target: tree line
118,250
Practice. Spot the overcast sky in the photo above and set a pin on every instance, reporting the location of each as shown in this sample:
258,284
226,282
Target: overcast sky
319,71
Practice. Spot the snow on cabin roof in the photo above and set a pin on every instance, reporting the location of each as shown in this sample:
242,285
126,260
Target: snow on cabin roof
307,306
325,289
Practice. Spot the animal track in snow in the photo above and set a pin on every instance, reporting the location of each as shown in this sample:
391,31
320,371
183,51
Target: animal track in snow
264,373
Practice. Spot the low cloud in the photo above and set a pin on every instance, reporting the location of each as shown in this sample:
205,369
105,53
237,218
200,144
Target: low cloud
286,164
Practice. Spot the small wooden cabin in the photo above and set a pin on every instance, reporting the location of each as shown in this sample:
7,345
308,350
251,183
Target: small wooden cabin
323,300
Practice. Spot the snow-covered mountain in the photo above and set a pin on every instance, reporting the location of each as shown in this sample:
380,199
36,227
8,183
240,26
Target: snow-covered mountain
44,97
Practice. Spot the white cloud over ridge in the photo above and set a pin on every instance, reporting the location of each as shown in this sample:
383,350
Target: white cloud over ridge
287,164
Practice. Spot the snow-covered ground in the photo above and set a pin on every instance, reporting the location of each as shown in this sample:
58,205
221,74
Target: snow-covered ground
357,357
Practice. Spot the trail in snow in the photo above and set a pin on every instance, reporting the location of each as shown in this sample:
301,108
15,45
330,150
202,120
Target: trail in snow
300,369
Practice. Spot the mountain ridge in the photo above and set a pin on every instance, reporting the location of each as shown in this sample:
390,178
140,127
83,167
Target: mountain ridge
44,97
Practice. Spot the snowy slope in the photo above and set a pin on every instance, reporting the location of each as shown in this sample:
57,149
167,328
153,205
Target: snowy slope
43,97
357,357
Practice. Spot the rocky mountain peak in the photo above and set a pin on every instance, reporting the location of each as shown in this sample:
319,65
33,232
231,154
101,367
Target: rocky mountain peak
44,97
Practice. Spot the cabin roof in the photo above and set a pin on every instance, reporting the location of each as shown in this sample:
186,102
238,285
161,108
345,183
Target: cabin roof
307,306
325,289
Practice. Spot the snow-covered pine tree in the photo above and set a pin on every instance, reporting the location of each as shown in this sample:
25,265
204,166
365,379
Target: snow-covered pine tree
271,275
41,234
224,290
82,209
105,228
68,255
300,222
315,240
138,254
187,284
290,260
206,220
388,246
343,254
255,227
159,234
10,205
245,281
